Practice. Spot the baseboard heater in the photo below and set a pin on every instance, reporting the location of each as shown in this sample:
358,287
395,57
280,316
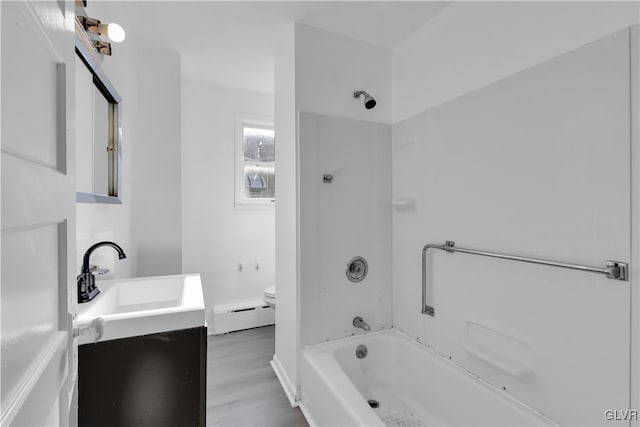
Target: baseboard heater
244,315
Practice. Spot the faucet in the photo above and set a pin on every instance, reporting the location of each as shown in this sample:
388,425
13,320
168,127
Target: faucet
358,322
87,289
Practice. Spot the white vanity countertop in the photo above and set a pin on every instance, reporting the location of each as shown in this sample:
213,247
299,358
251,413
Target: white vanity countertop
145,305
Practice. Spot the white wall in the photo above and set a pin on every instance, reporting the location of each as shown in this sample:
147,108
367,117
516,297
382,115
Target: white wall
517,167
96,222
352,216
156,154
147,224
471,44
217,236
316,75
331,67
287,262
349,217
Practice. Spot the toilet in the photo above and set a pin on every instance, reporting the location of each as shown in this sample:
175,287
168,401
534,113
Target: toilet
270,296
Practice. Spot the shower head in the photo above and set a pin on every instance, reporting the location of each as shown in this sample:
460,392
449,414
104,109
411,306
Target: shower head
369,101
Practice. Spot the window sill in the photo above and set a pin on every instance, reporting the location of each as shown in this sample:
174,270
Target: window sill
255,204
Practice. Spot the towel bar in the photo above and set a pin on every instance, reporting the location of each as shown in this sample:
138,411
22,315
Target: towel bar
613,269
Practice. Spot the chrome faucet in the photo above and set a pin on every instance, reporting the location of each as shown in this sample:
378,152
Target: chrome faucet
358,322
87,289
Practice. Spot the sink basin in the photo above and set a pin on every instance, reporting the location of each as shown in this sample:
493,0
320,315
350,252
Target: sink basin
142,306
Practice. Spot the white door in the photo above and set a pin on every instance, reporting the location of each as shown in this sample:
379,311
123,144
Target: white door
38,212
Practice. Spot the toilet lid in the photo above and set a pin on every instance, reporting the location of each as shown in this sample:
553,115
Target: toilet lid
270,291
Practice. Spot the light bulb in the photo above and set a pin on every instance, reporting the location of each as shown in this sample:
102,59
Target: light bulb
114,31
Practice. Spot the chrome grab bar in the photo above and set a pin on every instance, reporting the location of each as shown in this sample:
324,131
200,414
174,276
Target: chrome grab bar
613,269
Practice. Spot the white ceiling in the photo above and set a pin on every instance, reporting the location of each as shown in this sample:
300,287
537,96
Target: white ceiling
233,43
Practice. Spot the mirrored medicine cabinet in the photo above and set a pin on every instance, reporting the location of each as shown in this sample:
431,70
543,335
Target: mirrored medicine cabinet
98,128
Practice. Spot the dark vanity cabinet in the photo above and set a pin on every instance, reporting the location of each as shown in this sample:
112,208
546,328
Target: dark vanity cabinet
151,380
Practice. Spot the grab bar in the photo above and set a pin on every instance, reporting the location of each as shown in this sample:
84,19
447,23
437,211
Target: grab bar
613,269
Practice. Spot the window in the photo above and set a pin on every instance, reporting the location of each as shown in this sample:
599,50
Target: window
255,161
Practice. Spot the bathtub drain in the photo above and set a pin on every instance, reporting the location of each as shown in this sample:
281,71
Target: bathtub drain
373,403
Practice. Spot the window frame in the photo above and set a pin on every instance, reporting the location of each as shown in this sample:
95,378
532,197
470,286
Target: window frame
256,121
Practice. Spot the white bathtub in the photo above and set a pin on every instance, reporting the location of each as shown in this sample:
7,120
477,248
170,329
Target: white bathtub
414,387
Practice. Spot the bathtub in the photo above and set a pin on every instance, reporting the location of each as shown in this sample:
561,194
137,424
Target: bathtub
412,386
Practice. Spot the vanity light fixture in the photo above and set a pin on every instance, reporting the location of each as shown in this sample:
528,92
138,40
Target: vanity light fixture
102,47
113,31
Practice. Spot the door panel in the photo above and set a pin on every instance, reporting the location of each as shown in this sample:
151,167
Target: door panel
38,212
32,69
32,255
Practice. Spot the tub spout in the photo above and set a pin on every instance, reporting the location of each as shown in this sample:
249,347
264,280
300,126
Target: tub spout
358,322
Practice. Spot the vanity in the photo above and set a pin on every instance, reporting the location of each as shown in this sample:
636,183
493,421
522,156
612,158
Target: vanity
148,364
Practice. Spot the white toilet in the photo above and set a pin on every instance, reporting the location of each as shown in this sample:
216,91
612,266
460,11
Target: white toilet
270,296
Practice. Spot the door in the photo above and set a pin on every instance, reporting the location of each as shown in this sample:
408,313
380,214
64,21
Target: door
38,212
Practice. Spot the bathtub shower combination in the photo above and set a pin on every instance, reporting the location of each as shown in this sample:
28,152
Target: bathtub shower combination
529,324
387,379
400,383
533,333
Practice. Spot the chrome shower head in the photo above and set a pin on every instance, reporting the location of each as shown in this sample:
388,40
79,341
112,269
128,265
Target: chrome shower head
369,101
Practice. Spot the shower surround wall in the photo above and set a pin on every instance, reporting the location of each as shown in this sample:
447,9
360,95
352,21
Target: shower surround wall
520,166
338,221
321,129
352,215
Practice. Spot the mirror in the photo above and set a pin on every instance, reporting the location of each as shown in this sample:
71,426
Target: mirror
98,130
